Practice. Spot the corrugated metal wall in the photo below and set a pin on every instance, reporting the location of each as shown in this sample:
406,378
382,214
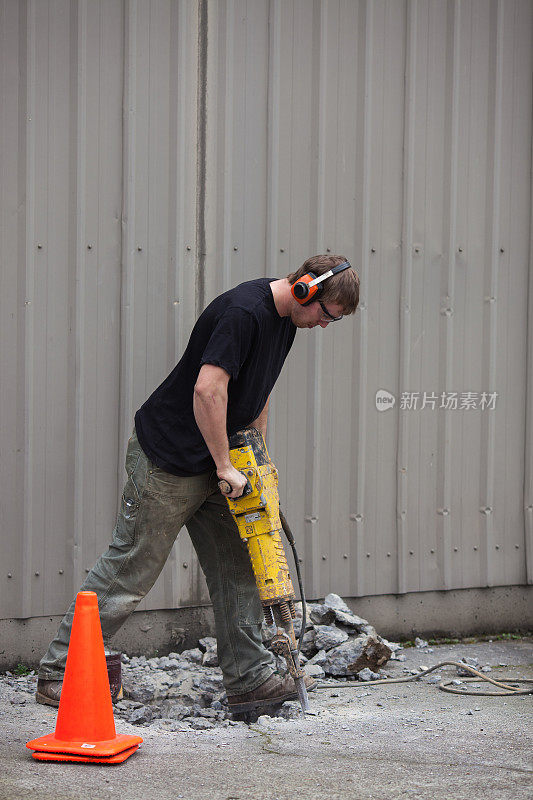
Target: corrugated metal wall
155,153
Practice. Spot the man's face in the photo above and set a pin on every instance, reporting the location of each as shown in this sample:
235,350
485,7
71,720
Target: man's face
315,314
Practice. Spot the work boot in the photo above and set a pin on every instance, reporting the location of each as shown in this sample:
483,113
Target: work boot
273,692
48,692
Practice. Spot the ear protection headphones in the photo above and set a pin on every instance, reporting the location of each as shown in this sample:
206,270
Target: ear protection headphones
308,287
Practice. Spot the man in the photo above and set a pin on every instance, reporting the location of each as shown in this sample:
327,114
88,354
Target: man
179,452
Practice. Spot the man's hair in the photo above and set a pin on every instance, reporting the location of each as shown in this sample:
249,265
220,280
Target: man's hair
342,288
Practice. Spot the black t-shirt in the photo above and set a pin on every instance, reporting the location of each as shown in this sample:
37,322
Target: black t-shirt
240,331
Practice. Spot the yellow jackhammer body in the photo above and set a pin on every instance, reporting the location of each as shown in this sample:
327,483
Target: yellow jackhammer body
257,516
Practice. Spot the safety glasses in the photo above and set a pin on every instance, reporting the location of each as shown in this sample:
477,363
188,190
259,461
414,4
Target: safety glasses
327,317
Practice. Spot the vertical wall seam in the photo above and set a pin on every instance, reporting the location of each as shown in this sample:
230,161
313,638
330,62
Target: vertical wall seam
128,229
491,309
444,520
313,402
80,389
201,167
405,294
229,97
272,134
272,155
314,349
359,518
43,285
181,235
170,575
528,454
320,171
29,310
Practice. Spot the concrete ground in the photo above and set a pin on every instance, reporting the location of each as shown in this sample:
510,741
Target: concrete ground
397,741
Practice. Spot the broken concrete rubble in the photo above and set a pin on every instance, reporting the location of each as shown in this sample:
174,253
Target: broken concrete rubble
367,675
186,689
348,642
355,655
209,647
328,636
374,654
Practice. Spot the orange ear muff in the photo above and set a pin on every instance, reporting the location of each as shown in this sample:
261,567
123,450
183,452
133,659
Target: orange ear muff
302,292
309,287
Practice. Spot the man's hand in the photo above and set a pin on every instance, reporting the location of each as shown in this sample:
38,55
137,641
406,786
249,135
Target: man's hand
236,480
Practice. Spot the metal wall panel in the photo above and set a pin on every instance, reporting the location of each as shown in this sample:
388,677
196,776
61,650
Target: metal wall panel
159,228
155,153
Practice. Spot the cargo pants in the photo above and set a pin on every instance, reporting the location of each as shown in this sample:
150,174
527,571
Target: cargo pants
155,505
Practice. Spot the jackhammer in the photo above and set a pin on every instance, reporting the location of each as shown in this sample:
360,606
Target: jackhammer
259,521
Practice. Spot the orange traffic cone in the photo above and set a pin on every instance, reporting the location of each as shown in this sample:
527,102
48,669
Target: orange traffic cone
85,727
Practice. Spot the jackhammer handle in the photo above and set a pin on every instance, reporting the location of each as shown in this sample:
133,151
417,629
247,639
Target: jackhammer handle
225,487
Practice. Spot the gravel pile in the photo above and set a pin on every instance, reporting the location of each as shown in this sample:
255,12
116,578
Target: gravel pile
338,643
184,690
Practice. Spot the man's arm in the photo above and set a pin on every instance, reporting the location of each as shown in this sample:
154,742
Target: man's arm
261,422
210,405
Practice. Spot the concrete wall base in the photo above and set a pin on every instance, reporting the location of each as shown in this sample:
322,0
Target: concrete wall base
453,613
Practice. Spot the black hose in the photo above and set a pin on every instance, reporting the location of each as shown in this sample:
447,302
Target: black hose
290,539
